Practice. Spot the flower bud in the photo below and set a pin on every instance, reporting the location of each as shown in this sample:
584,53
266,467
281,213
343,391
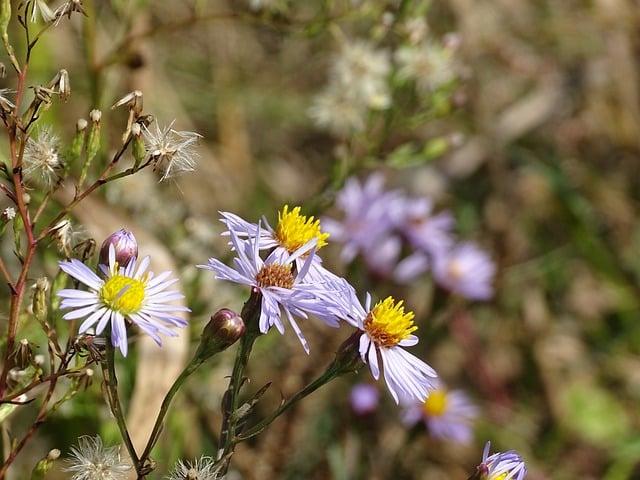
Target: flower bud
124,244
223,330
348,355
226,326
43,466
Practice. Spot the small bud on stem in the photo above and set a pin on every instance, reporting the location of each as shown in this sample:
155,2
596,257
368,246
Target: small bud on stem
124,244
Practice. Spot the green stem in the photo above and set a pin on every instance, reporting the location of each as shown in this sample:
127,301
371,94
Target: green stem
193,365
332,372
251,316
111,384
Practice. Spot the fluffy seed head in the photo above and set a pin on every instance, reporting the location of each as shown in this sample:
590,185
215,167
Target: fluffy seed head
41,160
91,460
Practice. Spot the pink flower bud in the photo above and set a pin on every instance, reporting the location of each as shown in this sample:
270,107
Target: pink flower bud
124,244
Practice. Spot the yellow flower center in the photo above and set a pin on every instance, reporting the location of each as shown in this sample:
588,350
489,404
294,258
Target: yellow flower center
123,294
295,230
387,323
275,275
436,403
502,476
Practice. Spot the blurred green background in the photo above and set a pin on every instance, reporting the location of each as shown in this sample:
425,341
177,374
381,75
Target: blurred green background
534,148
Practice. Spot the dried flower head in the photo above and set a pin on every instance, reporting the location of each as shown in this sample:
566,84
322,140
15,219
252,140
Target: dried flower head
6,104
41,160
65,236
40,8
172,152
203,468
91,460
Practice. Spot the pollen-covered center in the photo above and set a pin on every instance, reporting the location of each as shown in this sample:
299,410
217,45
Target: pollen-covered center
436,403
123,294
387,324
275,275
295,230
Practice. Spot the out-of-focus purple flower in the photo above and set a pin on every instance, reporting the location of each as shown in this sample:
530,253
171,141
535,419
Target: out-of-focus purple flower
426,231
465,270
501,466
369,213
364,398
382,259
411,267
448,414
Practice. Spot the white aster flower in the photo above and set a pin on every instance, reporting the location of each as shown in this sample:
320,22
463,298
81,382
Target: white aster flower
91,460
386,329
203,468
127,292
282,288
41,160
172,152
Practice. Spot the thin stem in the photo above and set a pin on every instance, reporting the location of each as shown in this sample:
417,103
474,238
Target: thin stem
332,372
251,315
193,365
111,383
19,287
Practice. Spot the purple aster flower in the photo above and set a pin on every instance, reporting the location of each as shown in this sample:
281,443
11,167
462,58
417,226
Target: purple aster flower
369,213
448,414
364,398
126,293
411,267
465,270
283,288
292,232
502,466
386,329
424,230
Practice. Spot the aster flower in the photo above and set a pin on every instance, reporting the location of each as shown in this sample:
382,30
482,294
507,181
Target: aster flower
126,293
91,460
202,468
465,270
447,414
501,466
41,161
369,215
427,232
386,329
171,151
292,232
282,288
364,398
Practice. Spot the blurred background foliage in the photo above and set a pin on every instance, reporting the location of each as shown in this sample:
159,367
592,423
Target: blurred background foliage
534,148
